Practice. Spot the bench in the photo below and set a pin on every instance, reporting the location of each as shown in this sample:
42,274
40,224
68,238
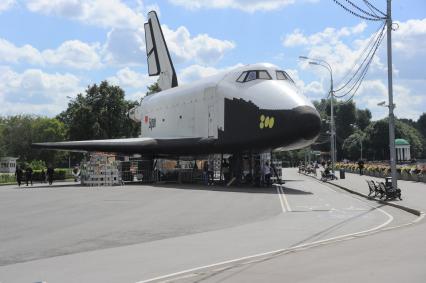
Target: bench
390,192
381,190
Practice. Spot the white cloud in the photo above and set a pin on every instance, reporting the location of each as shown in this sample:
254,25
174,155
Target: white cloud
73,53
125,47
125,44
244,5
202,48
35,92
408,104
101,13
343,47
12,54
196,72
128,78
6,5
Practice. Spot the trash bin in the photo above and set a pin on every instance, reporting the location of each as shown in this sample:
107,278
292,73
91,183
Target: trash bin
342,173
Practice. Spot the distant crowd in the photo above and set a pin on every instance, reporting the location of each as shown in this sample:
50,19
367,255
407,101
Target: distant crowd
27,175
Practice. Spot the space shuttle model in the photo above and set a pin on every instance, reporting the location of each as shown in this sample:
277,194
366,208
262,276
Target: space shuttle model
255,107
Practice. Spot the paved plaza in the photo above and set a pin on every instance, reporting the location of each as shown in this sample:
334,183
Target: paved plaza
306,231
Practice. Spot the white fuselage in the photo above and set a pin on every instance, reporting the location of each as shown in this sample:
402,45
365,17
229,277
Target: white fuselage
197,110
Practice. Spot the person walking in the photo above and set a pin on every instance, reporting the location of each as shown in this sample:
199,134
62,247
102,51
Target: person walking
18,174
50,172
29,175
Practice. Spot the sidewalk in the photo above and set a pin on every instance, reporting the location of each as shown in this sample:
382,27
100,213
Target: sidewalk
413,193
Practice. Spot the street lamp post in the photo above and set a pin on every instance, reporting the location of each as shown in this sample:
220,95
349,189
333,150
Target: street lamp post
361,136
324,64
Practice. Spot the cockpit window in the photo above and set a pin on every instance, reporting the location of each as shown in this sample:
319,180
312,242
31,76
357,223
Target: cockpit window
281,75
251,76
254,75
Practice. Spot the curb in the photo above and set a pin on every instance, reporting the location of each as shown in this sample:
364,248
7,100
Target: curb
402,207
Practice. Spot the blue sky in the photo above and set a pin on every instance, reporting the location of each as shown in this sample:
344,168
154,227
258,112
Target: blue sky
52,50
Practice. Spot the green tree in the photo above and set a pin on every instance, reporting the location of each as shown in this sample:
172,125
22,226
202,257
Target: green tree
421,124
154,88
100,114
363,118
19,132
352,146
377,139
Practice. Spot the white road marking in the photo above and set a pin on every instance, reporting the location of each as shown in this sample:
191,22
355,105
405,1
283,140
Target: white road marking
283,196
298,247
281,201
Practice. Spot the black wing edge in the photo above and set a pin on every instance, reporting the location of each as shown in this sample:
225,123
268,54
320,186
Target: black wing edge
134,145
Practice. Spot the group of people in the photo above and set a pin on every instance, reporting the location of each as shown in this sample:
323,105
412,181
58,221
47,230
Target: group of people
28,173
264,173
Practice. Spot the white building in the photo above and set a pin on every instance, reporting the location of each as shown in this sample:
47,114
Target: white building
8,164
402,150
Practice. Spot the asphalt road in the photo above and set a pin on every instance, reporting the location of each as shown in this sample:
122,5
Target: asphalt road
137,233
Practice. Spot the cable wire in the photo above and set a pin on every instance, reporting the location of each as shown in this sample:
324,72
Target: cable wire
362,10
371,6
361,55
360,72
357,14
365,71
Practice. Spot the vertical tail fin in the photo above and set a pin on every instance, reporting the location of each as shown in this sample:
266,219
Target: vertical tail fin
158,56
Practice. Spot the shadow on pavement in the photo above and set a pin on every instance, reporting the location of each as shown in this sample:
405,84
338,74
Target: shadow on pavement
234,189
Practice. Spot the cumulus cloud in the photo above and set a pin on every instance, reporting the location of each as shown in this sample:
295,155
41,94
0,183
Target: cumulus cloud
243,5
101,13
125,44
129,78
125,47
196,72
343,47
72,53
10,53
6,5
36,92
201,48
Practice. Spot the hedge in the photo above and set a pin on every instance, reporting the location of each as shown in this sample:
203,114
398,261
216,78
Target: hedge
59,174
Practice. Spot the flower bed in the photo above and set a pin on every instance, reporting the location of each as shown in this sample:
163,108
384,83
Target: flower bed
404,172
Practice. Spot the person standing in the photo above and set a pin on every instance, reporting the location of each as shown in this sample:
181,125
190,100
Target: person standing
210,173
205,172
267,171
361,166
18,174
43,176
50,172
29,175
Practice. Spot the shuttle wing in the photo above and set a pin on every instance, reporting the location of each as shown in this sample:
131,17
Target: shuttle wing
133,145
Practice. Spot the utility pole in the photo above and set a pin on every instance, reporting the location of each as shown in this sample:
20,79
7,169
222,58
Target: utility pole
390,93
333,131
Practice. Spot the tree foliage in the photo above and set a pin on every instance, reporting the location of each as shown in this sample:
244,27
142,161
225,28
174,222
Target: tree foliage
19,132
100,114
352,146
377,139
154,88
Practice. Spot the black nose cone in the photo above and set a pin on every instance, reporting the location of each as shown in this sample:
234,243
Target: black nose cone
308,122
